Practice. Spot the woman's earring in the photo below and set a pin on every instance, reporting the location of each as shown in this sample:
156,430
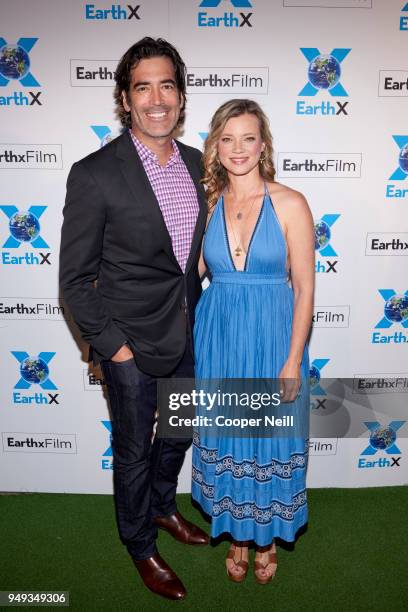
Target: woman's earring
262,158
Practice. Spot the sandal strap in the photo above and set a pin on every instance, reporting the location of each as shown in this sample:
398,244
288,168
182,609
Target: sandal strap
273,558
243,564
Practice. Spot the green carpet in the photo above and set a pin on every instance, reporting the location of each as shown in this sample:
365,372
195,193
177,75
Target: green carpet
352,557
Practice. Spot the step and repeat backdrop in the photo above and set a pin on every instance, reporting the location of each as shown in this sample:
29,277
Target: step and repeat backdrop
332,76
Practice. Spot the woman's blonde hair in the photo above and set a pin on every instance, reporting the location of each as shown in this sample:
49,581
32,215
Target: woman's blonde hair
215,176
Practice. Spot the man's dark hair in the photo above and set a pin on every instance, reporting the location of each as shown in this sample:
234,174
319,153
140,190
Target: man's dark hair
144,49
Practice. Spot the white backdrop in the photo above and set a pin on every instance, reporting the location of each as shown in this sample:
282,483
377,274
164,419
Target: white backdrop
343,147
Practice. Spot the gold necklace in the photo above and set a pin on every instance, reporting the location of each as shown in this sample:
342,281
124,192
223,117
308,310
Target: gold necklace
239,214
239,249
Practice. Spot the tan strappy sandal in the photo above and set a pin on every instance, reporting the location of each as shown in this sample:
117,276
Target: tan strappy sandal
272,560
242,564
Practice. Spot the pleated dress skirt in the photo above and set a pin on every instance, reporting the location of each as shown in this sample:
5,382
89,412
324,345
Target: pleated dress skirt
253,488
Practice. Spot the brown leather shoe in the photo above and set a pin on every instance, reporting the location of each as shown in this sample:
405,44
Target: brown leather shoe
160,578
181,529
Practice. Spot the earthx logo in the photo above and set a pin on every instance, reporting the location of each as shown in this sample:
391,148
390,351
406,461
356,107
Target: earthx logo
104,133
226,19
393,83
323,246
92,73
316,367
93,379
324,73
30,156
331,316
25,308
107,464
16,442
387,244
317,393
382,440
403,23
395,313
401,172
24,228
34,370
374,384
227,80
319,165
15,65
367,4
116,12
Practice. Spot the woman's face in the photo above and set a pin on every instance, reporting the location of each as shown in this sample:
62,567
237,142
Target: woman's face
240,144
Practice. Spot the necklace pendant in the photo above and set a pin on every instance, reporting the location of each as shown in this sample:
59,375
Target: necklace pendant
238,251
239,215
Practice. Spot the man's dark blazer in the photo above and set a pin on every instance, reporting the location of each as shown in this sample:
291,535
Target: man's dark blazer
114,233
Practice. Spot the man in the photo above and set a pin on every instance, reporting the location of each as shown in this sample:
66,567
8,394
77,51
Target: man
133,221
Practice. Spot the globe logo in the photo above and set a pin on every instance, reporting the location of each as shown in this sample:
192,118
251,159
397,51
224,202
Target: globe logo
396,308
34,370
14,62
403,159
24,226
322,235
382,438
324,72
314,377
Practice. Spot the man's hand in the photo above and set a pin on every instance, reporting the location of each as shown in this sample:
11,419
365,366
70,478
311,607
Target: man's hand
123,354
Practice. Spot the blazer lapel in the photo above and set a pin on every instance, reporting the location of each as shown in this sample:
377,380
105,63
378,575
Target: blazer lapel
202,202
139,184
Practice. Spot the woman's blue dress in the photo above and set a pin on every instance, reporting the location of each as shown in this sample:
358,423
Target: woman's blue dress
253,488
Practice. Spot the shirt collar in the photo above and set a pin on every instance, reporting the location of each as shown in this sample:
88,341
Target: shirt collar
146,154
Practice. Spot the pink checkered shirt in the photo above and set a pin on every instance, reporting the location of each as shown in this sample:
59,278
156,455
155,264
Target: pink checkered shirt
176,195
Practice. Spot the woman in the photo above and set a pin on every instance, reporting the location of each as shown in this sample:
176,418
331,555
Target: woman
250,323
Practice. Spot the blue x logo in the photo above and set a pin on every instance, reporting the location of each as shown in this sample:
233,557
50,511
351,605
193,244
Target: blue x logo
314,376
395,309
382,438
401,173
323,235
103,133
15,62
24,226
324,72
34,370
235,3
108,425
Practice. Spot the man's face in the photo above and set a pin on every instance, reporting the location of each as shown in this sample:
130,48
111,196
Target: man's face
153,100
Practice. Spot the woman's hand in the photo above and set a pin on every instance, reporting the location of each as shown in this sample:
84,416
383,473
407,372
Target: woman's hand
289,382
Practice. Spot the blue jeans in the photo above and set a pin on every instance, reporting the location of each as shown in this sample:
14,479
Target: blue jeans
145,470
